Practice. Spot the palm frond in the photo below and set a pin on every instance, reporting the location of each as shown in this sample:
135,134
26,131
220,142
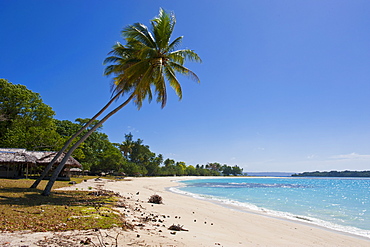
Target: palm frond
139,32
174,44
143,89
163,26
177,58
189,55
174,83
161,91
184,71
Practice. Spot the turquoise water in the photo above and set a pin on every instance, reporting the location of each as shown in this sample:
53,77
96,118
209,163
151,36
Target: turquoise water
337,203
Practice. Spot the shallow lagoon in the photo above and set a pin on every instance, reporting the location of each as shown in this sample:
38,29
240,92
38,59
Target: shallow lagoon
337,203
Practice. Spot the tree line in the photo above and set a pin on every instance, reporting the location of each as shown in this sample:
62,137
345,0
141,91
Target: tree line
27,122
334,174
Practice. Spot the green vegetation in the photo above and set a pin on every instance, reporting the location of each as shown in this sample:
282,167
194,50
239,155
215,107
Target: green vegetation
334,174
97,154
22,208
25,121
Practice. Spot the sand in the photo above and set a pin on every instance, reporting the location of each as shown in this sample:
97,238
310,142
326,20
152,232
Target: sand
206,223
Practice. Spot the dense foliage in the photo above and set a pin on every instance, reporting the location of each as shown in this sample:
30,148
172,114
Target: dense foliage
334,174
26,122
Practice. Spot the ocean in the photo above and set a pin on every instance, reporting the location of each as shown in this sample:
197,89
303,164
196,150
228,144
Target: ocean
341,204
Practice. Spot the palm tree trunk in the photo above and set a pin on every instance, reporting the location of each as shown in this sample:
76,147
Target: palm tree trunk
60,167
50,165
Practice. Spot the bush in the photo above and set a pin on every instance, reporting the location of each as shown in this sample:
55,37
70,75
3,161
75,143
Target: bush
155,199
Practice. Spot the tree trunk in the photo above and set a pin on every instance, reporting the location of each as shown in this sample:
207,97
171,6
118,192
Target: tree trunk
52,162
60,167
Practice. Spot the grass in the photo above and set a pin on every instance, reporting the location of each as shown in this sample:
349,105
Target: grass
22,208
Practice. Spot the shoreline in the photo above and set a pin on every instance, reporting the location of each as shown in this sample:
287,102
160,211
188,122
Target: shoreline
206,223
210,224
252,209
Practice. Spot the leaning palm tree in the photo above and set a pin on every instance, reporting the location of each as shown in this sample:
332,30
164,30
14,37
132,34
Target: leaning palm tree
69,141
147,61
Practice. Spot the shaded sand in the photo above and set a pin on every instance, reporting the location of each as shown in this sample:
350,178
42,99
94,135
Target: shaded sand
208,224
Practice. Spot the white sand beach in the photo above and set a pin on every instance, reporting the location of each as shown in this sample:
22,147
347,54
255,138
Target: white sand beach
207,223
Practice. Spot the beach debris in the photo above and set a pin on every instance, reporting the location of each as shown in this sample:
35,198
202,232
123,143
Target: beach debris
157,199
177,228
121,204
302,218
86,242
102,192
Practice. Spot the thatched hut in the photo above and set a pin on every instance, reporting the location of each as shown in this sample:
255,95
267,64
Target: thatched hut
46,158
15,164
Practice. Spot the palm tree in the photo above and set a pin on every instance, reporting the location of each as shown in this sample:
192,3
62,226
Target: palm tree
148,60
127,145
68,142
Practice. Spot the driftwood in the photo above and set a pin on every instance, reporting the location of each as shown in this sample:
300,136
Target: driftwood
177,228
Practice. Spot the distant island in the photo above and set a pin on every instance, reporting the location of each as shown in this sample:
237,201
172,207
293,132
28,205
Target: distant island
334,174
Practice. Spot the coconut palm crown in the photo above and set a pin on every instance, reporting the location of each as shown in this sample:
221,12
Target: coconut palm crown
149,60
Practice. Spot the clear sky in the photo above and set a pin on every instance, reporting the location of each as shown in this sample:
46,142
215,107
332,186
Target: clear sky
285,84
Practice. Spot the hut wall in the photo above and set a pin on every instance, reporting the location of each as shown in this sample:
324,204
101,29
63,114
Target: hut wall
8,171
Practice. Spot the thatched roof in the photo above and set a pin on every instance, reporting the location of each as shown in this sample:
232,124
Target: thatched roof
16,158
75,170
17,155
48,156
13,150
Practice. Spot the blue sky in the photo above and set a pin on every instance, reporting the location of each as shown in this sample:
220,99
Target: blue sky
284,84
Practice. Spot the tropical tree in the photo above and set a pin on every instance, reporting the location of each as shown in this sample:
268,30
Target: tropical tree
25,120
191,170
108,160
236,170
214,166
148,60
127,145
